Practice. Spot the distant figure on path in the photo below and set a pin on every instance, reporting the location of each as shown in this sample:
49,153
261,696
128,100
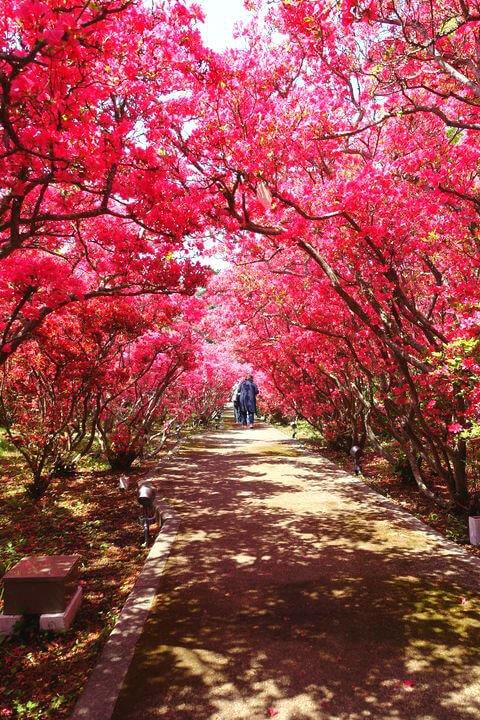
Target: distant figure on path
236,402
248,401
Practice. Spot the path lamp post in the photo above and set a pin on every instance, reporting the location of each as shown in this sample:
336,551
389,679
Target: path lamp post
123,482
146,498
356,455
294,426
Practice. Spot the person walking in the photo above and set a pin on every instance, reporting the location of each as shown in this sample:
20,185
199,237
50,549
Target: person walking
248,401
236,402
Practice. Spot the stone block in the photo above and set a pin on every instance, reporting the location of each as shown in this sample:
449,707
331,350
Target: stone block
40,584
7,623
59,622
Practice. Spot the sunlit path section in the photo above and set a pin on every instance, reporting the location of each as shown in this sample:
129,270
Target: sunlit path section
294,591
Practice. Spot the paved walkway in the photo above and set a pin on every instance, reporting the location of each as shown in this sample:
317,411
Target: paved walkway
294,591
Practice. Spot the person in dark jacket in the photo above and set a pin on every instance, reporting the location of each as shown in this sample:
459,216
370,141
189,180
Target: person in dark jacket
248,401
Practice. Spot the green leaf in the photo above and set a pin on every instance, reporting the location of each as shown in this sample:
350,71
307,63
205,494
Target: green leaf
454,135
449,25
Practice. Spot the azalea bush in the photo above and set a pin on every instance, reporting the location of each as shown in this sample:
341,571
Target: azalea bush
88,92
132,403
96,374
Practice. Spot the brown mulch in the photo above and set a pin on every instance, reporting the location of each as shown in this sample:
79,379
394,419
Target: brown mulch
42,674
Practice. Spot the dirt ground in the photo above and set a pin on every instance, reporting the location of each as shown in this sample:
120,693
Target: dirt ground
42,674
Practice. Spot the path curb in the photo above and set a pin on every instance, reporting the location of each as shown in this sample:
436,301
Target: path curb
98,699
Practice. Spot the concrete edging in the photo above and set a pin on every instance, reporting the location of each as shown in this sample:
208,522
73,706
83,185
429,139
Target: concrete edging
101,692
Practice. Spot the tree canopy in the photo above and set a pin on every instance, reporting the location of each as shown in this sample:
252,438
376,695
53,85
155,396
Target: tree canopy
333,160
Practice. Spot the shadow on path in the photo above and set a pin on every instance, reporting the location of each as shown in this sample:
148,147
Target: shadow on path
295,587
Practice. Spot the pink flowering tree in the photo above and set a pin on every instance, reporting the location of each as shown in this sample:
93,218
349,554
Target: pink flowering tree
92,204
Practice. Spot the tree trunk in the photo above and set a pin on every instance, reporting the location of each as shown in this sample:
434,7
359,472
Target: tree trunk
459,461
122,461
39,486
419,480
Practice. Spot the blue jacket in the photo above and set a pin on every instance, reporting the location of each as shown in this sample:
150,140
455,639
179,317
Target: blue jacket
248,396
